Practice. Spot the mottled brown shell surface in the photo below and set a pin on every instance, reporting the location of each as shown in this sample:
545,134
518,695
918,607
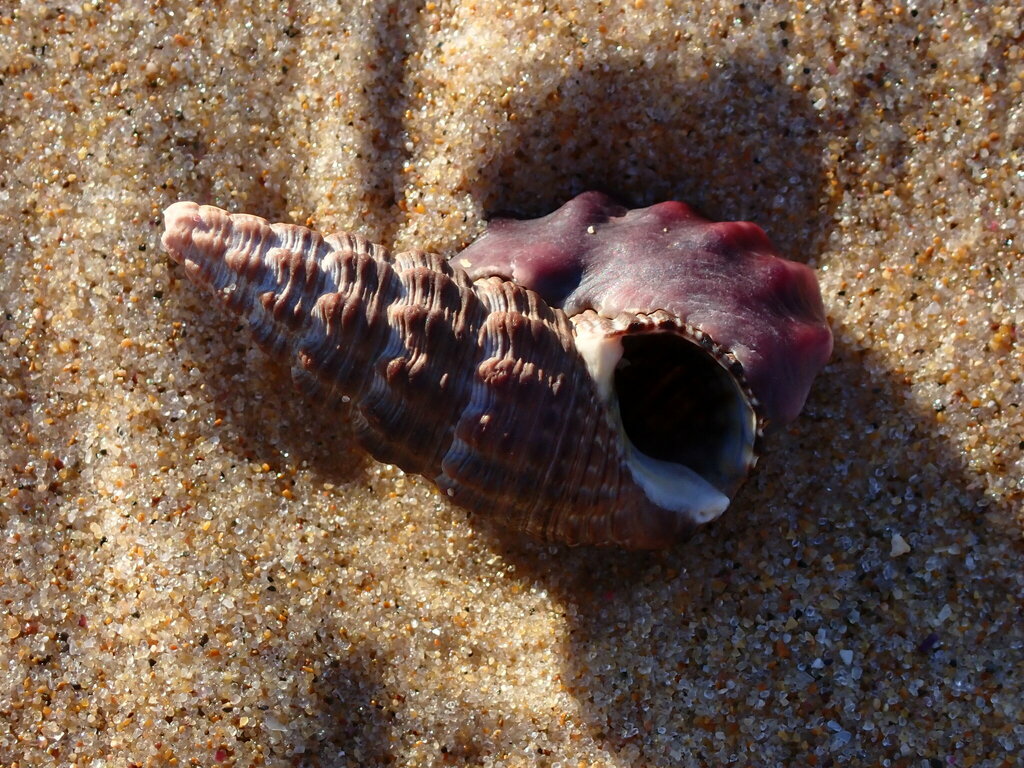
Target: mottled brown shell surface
476,385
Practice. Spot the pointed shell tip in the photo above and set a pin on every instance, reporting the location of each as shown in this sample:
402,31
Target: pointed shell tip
176,213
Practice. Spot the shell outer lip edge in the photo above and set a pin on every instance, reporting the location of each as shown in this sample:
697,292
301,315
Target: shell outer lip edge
632,324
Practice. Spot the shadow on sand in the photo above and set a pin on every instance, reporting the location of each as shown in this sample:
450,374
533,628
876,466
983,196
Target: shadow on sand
649,664
652,666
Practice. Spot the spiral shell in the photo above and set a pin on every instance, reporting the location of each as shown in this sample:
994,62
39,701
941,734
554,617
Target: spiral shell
629,429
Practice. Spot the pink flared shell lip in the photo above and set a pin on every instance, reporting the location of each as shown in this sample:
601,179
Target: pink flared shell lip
724,278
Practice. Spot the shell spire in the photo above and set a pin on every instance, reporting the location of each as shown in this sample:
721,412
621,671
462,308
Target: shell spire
554,425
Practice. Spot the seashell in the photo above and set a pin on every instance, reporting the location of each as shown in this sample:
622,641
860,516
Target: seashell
596,376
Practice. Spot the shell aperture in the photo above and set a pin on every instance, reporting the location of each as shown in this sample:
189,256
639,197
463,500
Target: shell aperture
534,387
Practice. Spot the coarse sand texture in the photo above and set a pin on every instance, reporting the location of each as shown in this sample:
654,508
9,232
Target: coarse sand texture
201,567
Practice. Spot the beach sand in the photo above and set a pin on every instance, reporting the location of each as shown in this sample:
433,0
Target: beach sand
201,569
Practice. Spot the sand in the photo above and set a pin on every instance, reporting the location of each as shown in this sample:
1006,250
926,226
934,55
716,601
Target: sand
201,569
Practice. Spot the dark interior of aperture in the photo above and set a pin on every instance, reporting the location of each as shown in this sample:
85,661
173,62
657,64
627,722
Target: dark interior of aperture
678,404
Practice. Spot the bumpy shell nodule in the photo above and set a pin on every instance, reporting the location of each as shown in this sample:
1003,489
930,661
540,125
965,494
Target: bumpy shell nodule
630,429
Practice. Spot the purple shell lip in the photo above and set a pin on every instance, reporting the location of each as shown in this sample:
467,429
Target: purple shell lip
723,278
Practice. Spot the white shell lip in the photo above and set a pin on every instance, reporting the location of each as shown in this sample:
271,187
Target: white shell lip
675,487
672,485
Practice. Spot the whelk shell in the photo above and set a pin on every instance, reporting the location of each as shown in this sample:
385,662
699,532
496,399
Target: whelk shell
596,376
